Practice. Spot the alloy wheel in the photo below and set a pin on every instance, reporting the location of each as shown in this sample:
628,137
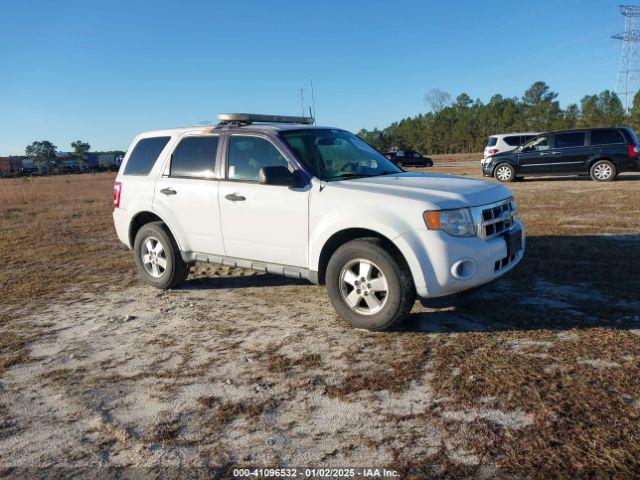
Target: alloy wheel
363,286
503,173
153,257
602,171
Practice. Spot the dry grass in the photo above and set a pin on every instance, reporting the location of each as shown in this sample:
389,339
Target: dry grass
558,346
57,235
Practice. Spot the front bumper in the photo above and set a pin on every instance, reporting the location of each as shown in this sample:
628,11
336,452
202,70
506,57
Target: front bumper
487,168
444,265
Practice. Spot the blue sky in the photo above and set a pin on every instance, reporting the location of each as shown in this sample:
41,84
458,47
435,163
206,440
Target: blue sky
104,71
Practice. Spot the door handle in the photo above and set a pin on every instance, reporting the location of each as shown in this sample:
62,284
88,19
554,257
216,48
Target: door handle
235,198
168,191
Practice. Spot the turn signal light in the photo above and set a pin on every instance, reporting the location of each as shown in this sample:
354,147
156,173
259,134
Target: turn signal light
432,219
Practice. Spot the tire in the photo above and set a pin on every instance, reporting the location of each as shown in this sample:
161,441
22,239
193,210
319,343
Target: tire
174,271
603,171
504,172
385,271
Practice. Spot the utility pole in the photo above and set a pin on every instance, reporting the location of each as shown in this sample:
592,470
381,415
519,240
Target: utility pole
628,82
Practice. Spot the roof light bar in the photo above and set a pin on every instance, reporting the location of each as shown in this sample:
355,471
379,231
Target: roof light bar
256,117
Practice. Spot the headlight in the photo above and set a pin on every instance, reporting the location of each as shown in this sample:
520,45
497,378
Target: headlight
455,222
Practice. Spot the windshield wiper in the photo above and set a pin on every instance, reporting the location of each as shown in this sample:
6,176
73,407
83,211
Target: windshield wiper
348,175
357,175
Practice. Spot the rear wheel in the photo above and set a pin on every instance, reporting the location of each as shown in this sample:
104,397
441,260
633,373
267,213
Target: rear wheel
157,256
368,286
603,171
505,172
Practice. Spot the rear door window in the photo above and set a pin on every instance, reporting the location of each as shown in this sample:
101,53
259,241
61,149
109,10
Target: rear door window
512,141
568,140
144,155
195,157
606,137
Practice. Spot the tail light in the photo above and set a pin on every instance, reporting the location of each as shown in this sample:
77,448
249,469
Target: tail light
634,150
389,157
493,151
117,191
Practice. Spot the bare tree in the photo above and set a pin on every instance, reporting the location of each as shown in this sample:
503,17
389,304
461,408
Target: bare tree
437,99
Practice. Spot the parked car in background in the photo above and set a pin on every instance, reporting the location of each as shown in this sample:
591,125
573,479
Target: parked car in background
601,153
70,166
289,198
504,142
408,158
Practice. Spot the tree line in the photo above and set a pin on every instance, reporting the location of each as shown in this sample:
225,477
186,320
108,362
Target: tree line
463,125
45,158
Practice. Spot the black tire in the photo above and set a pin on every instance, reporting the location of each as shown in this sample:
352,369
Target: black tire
176,270
400,295
501,171
599,170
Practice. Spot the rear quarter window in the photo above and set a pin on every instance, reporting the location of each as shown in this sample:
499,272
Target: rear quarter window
606,137
144,155
492,141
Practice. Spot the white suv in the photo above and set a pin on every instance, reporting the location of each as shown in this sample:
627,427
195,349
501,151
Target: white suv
287,197
504,142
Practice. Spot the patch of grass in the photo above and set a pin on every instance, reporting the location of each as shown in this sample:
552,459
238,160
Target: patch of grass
164,432
58,236
226,411
584,424
385,371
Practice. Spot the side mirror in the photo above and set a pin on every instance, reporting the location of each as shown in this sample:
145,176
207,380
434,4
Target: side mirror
278,176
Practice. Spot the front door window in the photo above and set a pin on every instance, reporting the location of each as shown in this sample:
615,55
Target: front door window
538,144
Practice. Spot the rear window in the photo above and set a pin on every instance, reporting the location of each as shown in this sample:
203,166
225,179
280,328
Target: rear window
513,141
606,137
144,155
492,141
195,157
566,140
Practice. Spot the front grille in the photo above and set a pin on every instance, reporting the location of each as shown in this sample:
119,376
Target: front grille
497,218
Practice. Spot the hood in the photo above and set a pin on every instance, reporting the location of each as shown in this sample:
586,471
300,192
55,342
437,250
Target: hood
444,191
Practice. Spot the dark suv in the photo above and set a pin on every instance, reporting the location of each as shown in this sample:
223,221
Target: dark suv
409,158
601,153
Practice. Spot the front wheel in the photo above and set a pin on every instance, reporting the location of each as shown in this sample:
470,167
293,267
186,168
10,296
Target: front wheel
505,172
368,286
603,171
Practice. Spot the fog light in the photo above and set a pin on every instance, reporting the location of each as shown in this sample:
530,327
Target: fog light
464,269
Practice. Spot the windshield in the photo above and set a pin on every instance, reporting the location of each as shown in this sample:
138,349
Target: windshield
337,155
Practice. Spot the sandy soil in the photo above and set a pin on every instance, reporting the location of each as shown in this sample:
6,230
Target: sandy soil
226,369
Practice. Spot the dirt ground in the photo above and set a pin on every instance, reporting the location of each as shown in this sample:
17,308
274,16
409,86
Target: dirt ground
536,376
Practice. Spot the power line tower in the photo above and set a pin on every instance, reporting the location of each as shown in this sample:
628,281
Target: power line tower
628,82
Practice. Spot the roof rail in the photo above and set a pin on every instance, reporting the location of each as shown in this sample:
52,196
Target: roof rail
247,118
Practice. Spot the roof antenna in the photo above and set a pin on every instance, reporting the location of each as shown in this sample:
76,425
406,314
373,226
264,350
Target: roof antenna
313,103
302,101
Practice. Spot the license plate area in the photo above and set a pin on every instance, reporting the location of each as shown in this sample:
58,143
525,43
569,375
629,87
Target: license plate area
513,239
